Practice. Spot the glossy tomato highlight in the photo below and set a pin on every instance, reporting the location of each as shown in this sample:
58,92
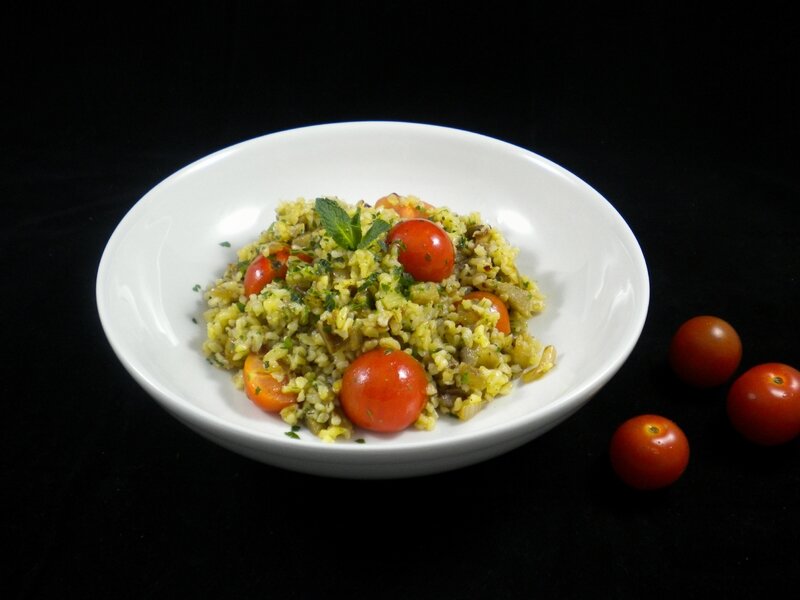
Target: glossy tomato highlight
649,452
262,388
426,252
705,351
763,404
384,390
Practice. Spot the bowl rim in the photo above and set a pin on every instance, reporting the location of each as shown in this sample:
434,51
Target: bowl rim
561,406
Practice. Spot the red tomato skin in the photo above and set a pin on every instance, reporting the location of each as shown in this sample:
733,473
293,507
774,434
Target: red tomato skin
763,404
504,322
262,388
265,269
649,452
705,351
405,211
427,253
384,390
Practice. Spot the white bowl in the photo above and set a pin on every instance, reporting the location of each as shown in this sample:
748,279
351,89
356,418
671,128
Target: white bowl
571,240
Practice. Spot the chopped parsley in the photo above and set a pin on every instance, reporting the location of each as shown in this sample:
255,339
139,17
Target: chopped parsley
330,301
404,281
197,287
371,280
292,435
225,244
323,266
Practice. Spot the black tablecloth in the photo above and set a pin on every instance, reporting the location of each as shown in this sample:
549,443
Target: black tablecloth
685,121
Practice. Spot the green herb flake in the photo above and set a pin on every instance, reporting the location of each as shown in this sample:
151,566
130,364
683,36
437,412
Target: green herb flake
295,427
291,434
225,244
194,320
371,280
330,301
361,441
404,281
197,287
240,306
323,266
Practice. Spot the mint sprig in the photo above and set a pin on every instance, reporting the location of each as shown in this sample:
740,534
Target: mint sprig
378,227
345,230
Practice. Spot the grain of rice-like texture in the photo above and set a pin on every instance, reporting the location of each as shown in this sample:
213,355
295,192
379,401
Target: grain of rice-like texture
334,304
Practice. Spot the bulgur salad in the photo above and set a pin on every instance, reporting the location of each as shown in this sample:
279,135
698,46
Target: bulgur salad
382,317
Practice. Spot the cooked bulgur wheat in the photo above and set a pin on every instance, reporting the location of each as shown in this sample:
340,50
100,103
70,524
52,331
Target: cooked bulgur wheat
312,324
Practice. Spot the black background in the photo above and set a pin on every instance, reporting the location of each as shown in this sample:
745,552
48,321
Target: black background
685,120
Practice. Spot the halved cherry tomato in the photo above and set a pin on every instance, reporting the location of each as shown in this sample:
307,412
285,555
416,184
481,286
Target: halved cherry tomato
649,452
426,252
265,269
705,351
406,210
384,390
498,306
262,388
764,404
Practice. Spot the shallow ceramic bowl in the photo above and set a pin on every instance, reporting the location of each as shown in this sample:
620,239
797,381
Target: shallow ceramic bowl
571,241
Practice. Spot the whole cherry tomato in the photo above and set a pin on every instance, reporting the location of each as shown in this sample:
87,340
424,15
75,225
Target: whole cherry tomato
265,269
384,390
705,351
649,452
498,306
406,209
764,404
426,252
262,388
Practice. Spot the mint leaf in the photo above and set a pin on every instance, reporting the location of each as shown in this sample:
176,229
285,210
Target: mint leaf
355,226
379,226
337,224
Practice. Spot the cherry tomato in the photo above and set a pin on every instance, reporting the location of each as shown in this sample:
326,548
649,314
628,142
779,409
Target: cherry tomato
649,452
265,269
384,390
426,253
407,210
764,404
498,306
705,351
262,388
